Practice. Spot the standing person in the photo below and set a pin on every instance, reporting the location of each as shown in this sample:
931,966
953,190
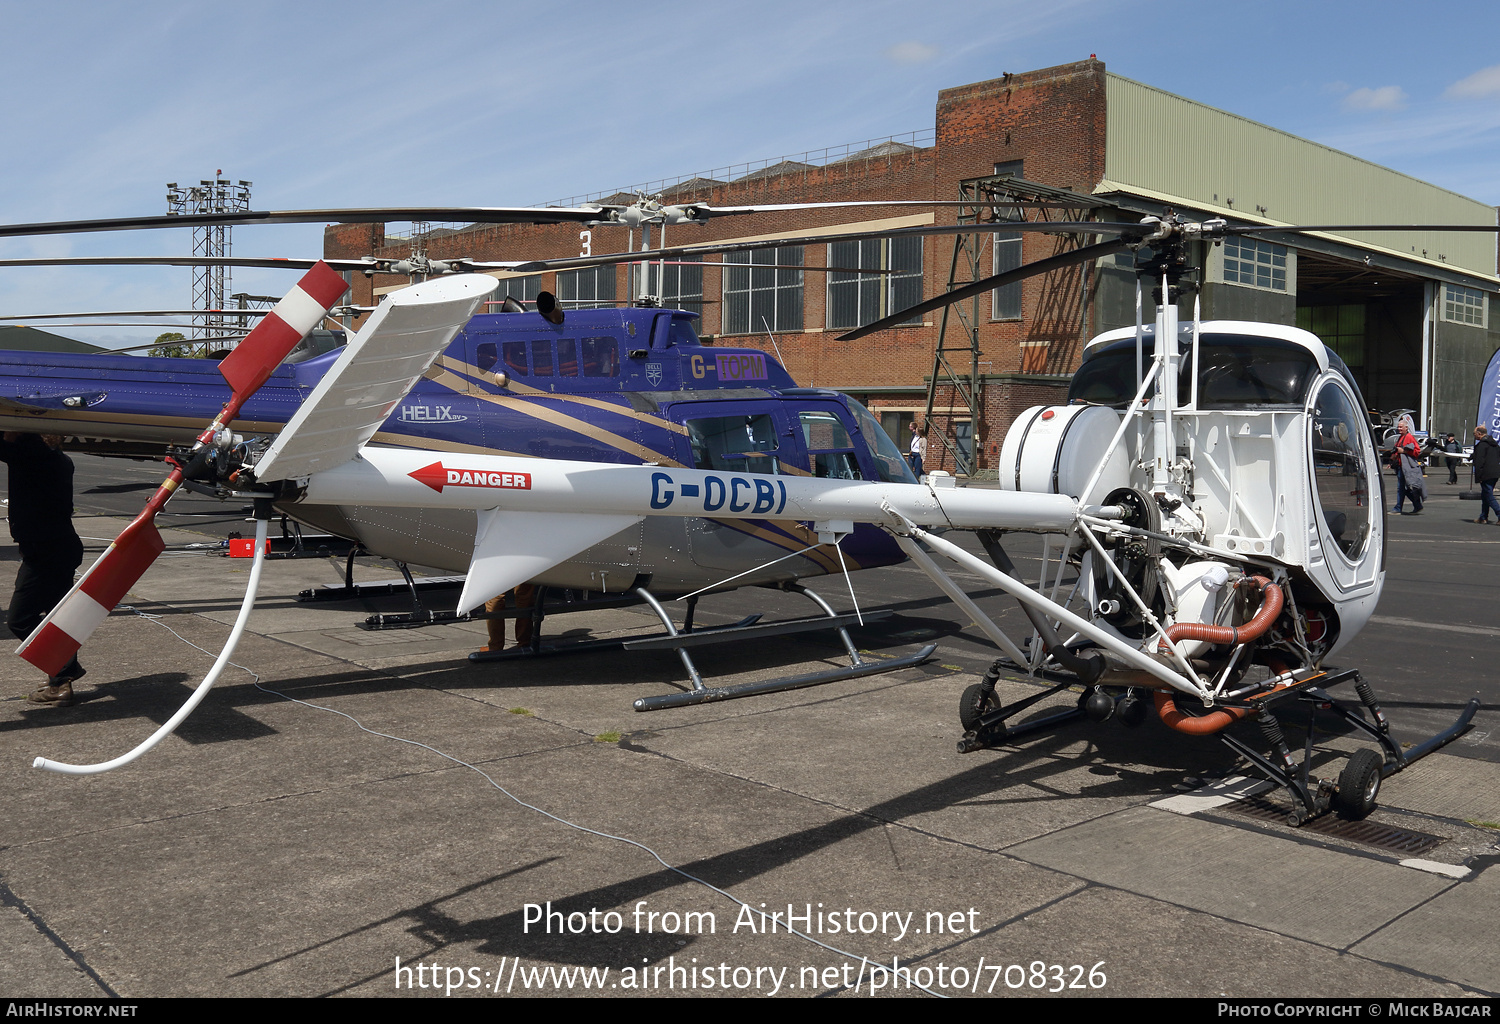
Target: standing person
918,450
1452,450
41,523
524,595
1406,459
1486,471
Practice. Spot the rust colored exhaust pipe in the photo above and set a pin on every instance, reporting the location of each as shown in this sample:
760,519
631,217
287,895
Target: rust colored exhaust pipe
1205,725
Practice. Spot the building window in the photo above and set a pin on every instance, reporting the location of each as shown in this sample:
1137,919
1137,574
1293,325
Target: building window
1005,302
526,289
1342,329
522,289
678,286
1463,305
856,299
763,290
593,288
1258,264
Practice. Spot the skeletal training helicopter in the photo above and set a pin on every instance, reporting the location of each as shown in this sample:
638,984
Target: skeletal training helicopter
1213,484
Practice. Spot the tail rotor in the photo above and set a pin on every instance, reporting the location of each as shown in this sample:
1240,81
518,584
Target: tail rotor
53,644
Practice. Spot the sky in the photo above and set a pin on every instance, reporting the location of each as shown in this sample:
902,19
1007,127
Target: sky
328,103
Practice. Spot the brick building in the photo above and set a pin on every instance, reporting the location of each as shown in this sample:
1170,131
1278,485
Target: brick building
1412,315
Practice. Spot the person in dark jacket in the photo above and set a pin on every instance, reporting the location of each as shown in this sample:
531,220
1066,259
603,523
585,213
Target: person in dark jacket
41,523
1486,471
1454,453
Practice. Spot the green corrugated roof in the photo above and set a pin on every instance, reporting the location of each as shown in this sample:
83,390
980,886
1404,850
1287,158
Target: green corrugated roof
1178,150
29,339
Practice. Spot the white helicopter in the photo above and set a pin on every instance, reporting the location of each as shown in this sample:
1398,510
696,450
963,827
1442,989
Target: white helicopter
1215,485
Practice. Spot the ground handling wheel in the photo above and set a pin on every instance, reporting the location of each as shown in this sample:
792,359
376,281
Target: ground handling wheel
1359,784
973,705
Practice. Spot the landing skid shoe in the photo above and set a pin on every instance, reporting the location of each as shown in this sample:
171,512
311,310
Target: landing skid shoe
1353,795
984,719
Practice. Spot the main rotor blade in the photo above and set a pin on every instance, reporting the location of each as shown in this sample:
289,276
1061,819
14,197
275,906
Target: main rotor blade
1261,229
266,262
141,312
706,210
478,214
709,249
1065,259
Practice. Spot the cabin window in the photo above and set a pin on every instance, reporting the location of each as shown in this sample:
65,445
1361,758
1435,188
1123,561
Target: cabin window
830,452
567,357
763,290
738,444
486,355
682,333
514,353
856,299
890,463
1341,475
541,357
1234,371
601,357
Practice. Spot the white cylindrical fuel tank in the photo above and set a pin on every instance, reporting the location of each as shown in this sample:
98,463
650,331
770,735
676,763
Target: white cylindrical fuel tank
1054,449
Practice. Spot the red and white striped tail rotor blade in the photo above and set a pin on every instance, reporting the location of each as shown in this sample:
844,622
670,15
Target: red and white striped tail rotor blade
53,644
293,318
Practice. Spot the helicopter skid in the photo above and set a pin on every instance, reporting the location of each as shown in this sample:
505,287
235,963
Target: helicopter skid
708,695
1315,796
688,636
1353,794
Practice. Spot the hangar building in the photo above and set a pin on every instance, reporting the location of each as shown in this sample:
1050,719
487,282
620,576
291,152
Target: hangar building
1414,315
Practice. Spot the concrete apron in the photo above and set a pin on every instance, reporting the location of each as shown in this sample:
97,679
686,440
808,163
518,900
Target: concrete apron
273,849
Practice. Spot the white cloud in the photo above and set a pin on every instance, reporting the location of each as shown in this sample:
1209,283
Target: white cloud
911,52
1479,84
1387,97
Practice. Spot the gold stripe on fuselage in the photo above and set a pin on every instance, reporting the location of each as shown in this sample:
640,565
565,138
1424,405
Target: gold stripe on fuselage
458,385
459,366
758,528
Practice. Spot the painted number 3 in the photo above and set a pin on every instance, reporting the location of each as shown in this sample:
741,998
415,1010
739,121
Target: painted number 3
587,237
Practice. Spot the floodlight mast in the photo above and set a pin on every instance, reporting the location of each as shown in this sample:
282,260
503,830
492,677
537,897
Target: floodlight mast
211,284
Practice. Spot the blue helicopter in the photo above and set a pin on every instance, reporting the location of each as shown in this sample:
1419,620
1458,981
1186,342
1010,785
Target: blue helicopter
626,386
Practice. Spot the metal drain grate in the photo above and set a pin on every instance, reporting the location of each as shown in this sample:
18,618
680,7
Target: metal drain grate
1370,833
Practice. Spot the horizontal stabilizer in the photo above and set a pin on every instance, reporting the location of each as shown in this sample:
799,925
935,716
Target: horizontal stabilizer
513,547
402,338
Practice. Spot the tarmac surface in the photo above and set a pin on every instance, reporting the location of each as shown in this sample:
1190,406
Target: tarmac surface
312,825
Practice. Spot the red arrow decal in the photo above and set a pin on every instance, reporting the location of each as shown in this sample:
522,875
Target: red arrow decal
437,476
433,476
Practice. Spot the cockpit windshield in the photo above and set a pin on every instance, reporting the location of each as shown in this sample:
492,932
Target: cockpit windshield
889,462
1234,371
